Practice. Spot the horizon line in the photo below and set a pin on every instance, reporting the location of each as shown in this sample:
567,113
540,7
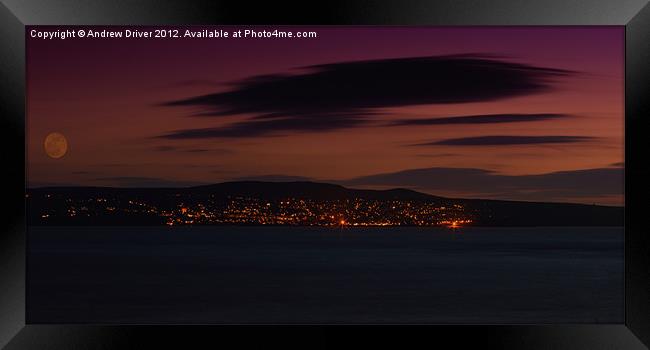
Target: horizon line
313,182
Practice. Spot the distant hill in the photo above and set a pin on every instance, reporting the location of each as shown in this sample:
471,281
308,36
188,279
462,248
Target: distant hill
305,189
483,212
518,213
258,189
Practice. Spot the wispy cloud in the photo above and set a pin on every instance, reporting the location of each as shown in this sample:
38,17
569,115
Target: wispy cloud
271,127
438,155
166,148
480,119
508,140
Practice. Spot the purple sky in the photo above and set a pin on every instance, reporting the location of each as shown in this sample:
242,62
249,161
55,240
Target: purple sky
526,113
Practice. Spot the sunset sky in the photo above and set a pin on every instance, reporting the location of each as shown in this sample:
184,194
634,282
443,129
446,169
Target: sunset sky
524,113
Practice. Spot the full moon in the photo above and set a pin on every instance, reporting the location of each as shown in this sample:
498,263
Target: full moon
55,145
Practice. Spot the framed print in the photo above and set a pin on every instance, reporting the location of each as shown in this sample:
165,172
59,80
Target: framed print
181,173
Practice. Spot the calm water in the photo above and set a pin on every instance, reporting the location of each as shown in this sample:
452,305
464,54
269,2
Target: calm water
318,275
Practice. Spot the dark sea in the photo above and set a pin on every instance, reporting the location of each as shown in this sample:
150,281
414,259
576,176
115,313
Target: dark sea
295,275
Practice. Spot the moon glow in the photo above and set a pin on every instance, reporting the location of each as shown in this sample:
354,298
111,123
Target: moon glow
56,145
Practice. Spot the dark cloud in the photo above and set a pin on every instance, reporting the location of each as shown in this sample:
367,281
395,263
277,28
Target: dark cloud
556,186
507,140
192,150
345,94
480,119
82,172
138,181
618,165
208,150
165,148
267,127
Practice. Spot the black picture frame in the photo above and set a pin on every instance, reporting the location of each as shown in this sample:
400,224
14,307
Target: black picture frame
633,14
